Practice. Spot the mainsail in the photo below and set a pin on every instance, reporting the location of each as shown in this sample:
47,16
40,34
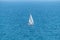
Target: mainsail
31,21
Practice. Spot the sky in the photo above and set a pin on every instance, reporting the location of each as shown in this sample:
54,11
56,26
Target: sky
29,0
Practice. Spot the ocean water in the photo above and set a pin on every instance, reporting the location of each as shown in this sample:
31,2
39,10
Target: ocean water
14,21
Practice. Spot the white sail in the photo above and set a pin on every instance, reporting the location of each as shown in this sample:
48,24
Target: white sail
31,22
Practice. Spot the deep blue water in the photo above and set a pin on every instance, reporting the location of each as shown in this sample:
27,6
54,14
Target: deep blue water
14,21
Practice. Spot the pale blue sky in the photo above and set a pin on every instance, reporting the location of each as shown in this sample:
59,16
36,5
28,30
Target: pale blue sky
29,0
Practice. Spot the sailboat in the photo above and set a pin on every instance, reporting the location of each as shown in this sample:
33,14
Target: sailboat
31,21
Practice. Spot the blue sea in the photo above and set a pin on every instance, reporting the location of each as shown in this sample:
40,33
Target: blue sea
14,18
